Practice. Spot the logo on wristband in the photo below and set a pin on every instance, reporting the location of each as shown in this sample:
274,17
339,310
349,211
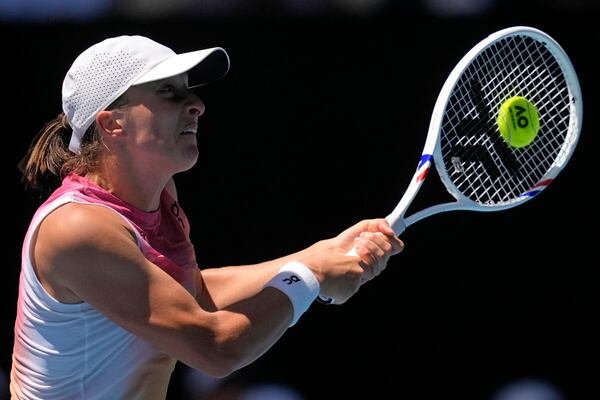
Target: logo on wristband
291,279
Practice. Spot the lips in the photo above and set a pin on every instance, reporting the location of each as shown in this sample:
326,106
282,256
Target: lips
190,130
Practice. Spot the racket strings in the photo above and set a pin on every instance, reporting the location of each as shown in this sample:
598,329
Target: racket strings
478,160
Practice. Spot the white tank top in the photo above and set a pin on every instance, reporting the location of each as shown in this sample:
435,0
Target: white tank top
72,351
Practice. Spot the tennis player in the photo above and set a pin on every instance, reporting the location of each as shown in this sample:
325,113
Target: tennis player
110,293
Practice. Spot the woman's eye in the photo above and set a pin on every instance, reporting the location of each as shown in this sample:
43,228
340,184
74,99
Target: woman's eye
173,92
167,89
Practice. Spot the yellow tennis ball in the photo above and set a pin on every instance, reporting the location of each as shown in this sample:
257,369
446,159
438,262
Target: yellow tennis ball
518,121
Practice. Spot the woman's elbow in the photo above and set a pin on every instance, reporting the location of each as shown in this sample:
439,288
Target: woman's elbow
225,352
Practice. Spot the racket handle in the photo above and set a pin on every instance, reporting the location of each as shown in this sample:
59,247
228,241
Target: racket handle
396,223
352,252
325,300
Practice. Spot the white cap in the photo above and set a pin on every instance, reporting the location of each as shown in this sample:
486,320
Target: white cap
107,69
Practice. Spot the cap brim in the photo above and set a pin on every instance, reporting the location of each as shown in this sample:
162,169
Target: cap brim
204,66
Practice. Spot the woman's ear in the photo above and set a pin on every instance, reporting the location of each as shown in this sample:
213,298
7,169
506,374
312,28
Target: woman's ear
109,122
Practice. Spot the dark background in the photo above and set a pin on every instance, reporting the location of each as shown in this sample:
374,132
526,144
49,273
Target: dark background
319,124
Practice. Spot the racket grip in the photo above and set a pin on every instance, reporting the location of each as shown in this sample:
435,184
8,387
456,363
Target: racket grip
396,223
325,300
331,300
352,252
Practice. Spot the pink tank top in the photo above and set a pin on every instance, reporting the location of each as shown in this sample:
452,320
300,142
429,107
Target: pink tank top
72,351
164,233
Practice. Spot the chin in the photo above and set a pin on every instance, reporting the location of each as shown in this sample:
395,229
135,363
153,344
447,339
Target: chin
189,158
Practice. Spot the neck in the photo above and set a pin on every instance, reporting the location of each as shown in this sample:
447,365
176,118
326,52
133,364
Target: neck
142,190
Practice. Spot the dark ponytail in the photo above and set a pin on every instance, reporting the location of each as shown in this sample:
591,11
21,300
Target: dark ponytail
49,159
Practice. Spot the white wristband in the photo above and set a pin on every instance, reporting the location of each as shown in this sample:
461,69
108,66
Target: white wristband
298,283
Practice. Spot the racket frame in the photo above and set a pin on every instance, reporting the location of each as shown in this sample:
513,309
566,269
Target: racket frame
432,149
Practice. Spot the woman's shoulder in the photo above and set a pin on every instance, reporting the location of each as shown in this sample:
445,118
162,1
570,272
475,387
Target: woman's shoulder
80,222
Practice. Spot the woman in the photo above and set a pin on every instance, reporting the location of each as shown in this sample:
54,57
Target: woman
110,292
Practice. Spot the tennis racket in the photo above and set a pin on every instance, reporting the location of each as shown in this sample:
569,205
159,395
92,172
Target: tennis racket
478,166
483,168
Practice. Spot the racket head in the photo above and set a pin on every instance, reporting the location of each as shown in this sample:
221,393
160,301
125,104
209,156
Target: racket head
474,162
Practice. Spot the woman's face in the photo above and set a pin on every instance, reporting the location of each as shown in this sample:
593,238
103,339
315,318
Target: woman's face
160,123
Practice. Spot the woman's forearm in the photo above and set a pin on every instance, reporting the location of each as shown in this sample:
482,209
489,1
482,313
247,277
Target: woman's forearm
218,288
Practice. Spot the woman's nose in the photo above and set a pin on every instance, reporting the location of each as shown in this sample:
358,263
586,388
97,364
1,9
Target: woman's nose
195,106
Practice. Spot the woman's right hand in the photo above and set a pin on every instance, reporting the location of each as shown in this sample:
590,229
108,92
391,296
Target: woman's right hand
340,274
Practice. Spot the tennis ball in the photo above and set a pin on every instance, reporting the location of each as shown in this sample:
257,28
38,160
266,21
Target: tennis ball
518,121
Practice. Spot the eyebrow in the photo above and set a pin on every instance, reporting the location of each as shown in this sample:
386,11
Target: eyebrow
175,79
